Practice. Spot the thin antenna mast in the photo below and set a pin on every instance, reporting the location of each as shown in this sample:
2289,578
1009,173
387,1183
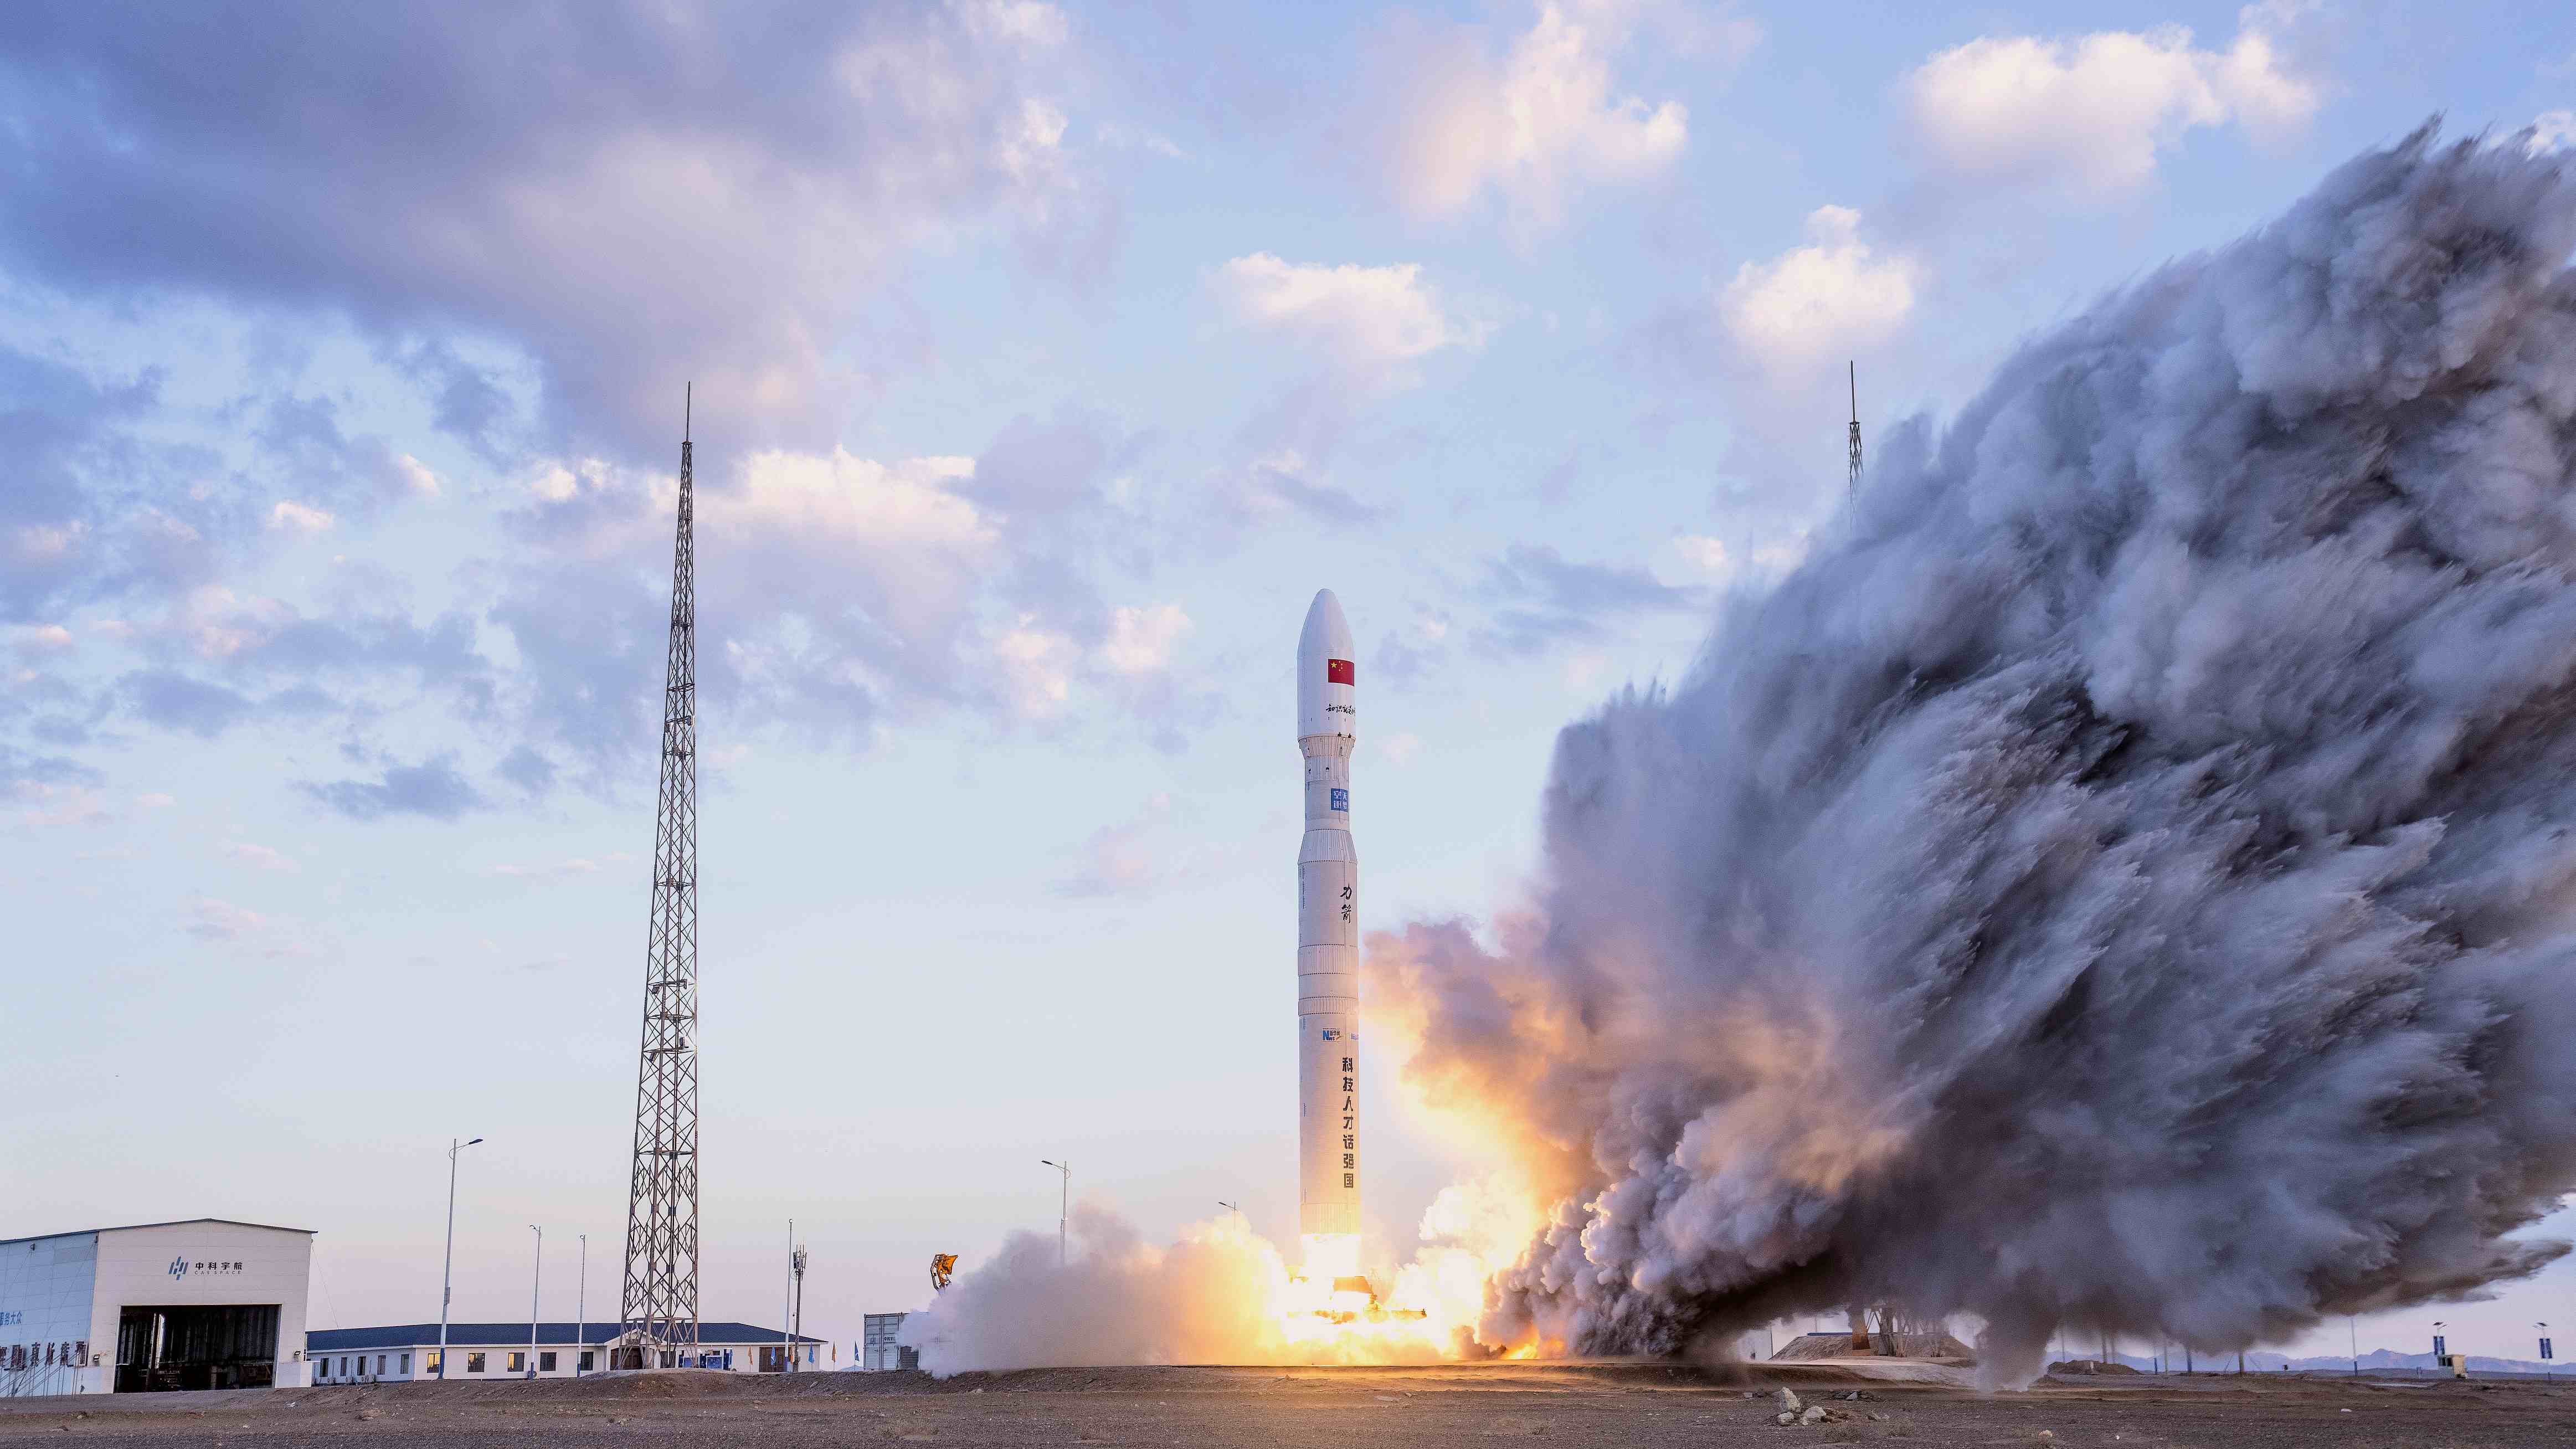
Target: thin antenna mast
1855,428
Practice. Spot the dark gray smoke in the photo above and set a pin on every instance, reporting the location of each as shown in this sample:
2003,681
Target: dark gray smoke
2126,876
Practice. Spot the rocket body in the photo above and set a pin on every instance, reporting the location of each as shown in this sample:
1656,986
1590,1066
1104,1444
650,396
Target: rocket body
1328,948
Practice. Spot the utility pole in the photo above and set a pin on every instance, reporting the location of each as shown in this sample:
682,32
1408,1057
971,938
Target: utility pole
796,1317
1064,1204
447,1274
536,1279
658,1308
581,1310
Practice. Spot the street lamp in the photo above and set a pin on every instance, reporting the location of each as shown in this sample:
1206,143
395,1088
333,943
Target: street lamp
1064,1204
2546,1373
537,1277
447,1275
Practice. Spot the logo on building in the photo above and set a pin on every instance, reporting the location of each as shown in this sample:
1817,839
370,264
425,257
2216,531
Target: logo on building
178,1267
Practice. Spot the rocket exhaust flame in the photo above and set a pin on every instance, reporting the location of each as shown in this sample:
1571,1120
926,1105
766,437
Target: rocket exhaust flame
1219,1294
2126,877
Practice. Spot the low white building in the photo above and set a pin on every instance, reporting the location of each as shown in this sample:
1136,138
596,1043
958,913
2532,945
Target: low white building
879,1346
207,1303
407,1351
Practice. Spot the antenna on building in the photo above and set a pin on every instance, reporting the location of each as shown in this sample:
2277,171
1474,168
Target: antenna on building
659,1305
1855,428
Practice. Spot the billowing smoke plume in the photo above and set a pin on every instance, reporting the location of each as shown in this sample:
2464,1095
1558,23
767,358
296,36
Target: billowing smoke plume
1218,1295
2127,876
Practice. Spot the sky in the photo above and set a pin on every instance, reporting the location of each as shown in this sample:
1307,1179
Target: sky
1045,360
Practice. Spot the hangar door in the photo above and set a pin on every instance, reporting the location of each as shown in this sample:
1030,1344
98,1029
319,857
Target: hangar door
224,1346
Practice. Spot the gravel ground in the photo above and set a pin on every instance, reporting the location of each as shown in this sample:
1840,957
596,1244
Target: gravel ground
1622,1404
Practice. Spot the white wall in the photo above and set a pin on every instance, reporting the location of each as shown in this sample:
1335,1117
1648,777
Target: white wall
496,1359
45,1297
135,1269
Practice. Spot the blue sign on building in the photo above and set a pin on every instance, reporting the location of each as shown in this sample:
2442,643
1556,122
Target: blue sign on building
1341,799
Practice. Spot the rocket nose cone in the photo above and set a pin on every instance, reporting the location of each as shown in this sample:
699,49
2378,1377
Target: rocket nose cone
1326,632
1325,671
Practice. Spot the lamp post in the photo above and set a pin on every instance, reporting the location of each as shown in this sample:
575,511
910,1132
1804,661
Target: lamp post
447,1275
536,1279
1064,1204
2547,1375
581,1309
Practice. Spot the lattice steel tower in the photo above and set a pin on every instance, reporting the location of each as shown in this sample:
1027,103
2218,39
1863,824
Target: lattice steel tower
660,1304
1855,427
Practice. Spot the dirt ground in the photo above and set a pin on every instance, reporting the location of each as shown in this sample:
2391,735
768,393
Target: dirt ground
1584,1404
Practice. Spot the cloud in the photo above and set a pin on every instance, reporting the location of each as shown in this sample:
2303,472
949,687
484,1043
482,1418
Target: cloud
94,511
213,920
1541,598
174,701
1037,666
416,476
1708,555
2553,131
432,789
258,857
422,174
1400,749
1141,638
1535,125
557,870
834,592
1371,318
298,518
2094,112
1120,860
1825,299
44,804
221,922
41,638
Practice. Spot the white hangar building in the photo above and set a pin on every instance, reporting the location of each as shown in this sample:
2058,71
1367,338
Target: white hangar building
203,1304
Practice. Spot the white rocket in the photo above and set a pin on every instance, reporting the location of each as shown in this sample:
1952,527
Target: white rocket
1328,949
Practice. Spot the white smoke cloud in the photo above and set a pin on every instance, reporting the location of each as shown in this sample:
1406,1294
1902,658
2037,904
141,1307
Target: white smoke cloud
2125,876
1212,1296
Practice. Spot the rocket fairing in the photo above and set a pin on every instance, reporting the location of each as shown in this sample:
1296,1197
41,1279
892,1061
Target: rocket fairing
1328,948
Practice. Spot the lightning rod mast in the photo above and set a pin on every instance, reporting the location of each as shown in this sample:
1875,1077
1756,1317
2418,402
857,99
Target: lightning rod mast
1855,427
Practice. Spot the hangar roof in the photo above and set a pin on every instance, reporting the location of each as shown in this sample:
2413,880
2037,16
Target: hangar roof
173,1223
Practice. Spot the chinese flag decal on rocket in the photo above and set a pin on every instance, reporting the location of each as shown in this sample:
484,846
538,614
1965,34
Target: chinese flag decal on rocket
1337,671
